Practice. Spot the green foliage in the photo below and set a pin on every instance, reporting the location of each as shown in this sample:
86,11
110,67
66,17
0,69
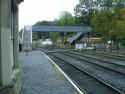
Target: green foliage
102,22
54,35
107,18
120,29
39,35
44,23
105,23
84,10
66,19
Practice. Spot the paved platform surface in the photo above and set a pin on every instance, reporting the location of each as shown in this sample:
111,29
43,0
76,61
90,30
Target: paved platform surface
39,76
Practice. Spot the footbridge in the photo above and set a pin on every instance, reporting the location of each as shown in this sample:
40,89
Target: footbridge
26,32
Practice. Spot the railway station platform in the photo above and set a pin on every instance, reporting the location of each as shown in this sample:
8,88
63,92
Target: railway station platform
40,75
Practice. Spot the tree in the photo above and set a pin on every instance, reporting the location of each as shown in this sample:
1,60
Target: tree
66,19
54,35
102,22
86,8
120,24
44,23
83,11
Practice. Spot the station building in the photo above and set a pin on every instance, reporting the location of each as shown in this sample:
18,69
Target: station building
9,50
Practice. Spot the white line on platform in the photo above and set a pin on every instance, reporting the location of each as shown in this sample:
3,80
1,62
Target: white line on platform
77,88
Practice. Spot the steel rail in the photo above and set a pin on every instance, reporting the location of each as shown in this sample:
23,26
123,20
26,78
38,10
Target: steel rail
95,58
117,57
98,79
118,65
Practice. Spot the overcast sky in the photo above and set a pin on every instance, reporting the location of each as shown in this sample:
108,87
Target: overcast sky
31,11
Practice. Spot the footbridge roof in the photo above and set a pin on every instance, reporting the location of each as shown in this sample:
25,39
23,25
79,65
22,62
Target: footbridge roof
50,28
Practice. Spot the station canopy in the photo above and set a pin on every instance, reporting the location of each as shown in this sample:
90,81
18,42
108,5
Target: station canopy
51,28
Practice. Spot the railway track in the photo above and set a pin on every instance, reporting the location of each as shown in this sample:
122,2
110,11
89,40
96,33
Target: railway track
105,54
111,77
86,81
112,65
115,65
